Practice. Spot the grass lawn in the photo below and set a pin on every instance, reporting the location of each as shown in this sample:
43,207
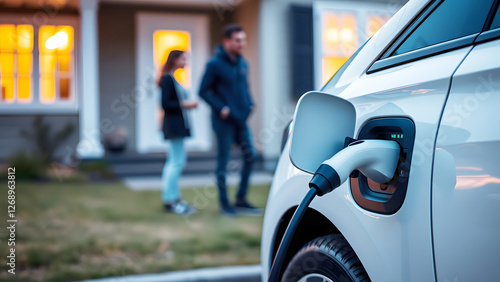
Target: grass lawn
77,231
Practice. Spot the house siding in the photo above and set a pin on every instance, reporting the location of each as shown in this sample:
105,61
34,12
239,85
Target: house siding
12,141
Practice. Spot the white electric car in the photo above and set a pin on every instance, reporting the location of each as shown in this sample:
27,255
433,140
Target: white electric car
430,81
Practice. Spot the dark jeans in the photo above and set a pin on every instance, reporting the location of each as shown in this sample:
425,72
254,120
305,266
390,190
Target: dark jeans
228,133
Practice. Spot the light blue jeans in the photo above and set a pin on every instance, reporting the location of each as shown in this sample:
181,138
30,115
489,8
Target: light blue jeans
176,160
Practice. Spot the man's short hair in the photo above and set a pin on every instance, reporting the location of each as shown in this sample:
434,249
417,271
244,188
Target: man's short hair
230,29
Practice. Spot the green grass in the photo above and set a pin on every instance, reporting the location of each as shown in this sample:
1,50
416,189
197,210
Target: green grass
77,231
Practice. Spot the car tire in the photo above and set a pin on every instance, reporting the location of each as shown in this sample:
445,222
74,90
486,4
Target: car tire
327,258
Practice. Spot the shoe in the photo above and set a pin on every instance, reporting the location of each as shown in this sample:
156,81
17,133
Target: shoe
180,207
228,211
242,206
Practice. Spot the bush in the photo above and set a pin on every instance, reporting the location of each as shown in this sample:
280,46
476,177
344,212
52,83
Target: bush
45,142
28,167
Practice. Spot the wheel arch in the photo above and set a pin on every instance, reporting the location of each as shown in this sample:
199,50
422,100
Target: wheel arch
313,225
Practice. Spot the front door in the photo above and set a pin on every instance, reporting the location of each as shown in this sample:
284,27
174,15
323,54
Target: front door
157,35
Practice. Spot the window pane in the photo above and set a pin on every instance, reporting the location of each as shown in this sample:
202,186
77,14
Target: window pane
7,88
24,39
46,42
452,19
496,20
65,33
24,88
64,88
47,89
7,64
24,64
64,63
47,64
7,37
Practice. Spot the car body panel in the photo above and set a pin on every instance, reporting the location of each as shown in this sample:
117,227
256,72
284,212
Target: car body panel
466,179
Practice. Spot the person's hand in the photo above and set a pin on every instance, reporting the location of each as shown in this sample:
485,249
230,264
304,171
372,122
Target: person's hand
189,104
224,113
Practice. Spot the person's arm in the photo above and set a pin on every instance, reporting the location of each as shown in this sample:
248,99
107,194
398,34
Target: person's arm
169,101
207,92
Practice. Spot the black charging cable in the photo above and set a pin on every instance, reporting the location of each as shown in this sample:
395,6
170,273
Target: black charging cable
381,156
290,230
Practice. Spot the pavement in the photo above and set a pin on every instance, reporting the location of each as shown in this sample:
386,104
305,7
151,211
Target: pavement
244,273
194,180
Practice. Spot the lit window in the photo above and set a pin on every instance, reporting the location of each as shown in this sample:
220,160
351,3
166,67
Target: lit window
342,28
54,71
16,63
56,63
164,41
339,42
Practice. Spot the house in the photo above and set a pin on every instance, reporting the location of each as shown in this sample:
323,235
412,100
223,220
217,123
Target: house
93,64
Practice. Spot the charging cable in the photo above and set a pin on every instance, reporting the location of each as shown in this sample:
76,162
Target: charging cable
376,159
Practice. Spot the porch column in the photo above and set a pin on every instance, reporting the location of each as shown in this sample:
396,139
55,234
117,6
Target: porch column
89,145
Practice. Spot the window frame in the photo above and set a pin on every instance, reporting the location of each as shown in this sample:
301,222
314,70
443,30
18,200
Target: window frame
36,106
385,60
489,34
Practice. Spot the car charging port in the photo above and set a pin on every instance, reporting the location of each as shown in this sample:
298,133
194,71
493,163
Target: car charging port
385,198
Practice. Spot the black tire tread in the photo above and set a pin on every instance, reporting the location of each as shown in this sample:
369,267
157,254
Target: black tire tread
337,247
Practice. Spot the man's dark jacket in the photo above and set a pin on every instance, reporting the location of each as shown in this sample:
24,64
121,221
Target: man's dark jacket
225,84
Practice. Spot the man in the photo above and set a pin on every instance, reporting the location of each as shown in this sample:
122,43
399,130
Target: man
225,88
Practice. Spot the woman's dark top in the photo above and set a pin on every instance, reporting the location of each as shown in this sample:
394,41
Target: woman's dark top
174,125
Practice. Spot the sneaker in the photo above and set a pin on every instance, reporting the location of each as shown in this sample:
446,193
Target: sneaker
242,206
228,211
180,207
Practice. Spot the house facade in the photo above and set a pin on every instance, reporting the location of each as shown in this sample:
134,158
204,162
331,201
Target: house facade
94,63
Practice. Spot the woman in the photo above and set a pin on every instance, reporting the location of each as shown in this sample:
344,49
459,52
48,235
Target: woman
175,128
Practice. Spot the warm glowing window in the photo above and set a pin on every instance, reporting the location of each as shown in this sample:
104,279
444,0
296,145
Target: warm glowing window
56,63
16,63
164,41
342,28
47,82
339,41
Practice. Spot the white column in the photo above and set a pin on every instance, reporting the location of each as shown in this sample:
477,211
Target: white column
277,103
89,145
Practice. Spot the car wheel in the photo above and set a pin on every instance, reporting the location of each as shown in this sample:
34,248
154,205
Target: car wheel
325,259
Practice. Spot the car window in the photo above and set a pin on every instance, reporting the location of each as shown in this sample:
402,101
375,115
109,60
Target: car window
496,20
450,20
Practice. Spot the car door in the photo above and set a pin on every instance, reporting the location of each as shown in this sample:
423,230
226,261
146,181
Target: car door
410,81
466,180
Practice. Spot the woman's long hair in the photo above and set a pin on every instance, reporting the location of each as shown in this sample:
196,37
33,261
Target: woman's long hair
170,63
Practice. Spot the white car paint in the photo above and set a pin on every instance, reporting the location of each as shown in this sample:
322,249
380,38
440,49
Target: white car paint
466,208
453,194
